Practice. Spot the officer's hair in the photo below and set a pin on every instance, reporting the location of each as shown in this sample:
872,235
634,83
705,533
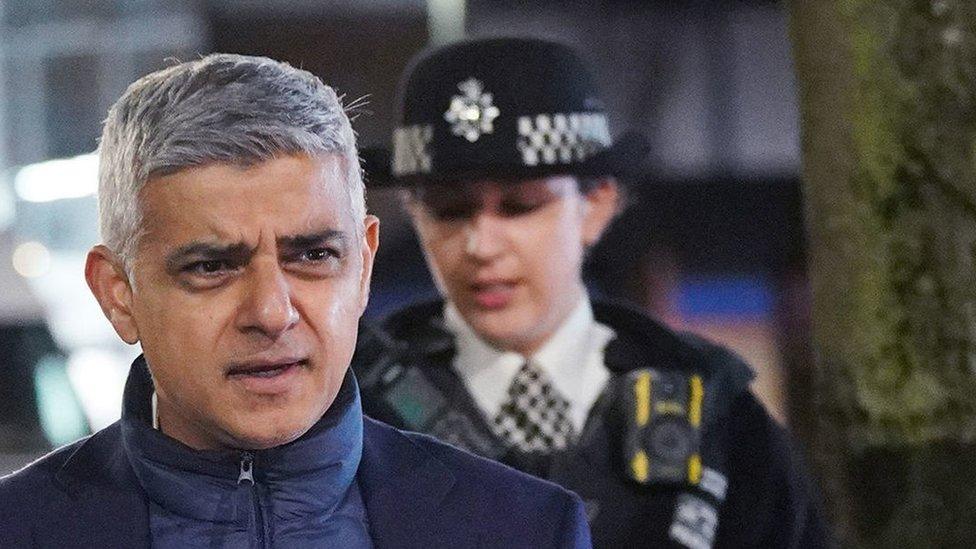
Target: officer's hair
585,184
221,108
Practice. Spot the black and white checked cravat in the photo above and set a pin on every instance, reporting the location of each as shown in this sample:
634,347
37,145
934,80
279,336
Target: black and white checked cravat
535,417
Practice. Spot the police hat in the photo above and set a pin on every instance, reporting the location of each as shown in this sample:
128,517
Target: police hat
502,108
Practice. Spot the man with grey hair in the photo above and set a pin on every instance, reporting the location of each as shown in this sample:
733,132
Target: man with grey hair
237,252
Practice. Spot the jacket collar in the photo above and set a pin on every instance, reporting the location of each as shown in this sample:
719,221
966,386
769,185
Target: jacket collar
309,475
403,486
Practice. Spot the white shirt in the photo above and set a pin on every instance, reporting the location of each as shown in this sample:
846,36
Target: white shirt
572,357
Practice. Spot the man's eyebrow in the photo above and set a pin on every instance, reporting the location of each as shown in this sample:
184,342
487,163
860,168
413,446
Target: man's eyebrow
302,241
204,250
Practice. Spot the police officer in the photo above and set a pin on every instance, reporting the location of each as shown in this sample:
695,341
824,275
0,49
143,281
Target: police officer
504,152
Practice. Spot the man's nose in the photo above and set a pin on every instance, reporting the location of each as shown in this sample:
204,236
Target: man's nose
267,306
485,237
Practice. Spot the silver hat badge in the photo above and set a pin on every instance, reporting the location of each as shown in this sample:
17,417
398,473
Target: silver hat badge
472,113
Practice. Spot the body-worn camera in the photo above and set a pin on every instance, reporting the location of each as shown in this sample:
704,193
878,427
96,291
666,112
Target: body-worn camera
663,414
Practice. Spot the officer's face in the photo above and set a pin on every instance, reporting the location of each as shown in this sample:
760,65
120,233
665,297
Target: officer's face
509,255
248,286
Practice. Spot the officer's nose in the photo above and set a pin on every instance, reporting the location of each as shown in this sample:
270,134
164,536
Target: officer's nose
484,238
267,306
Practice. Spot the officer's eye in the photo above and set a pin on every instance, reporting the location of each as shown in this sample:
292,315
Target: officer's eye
452,212
517,207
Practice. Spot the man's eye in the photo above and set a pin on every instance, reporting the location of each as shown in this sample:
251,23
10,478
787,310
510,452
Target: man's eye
319,254
208,267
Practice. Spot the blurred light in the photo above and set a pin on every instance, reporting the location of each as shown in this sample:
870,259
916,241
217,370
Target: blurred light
61,418
445,20
7,210
731,295
58,179
98,378
31,259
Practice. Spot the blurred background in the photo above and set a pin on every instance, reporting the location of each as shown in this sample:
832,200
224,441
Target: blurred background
712,243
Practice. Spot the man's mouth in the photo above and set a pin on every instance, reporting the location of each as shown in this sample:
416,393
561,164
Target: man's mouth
264,369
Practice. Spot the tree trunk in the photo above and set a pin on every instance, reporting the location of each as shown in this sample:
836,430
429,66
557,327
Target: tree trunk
888,107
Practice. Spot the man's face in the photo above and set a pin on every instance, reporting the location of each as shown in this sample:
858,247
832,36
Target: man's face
509,255
248,285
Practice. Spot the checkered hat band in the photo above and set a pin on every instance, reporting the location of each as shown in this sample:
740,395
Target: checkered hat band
411,149
562,138
542,140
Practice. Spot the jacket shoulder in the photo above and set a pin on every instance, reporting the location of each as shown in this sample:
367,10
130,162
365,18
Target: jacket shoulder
413,317
772,500
488,496
530,502
37,478
470,470
413,335
640,342
477,471
90,462
25,495
419,328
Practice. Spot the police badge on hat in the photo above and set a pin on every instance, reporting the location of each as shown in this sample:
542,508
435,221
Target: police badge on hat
471,114
502,108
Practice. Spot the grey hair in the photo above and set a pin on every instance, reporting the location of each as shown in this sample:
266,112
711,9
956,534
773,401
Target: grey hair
221,108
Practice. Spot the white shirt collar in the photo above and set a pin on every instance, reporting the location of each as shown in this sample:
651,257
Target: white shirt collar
572,357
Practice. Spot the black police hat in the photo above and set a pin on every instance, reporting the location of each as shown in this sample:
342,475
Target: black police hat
501,108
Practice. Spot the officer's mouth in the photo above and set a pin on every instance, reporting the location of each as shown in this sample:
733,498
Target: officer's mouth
493,294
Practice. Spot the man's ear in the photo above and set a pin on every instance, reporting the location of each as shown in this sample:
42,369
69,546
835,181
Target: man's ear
110,284
371,241
601,203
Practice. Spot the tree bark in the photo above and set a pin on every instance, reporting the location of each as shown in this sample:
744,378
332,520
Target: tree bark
888,111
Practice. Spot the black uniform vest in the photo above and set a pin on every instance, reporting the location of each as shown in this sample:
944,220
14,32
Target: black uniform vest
407,379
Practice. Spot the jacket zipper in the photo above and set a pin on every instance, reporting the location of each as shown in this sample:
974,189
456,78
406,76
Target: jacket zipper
247,475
